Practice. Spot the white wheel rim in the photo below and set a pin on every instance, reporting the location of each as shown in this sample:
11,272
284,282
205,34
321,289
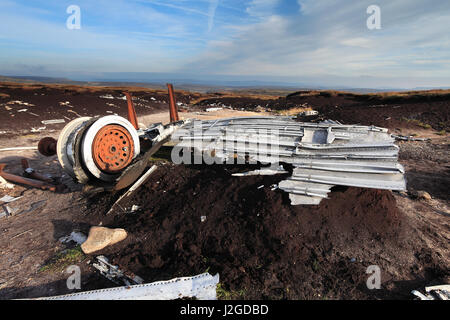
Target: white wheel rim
89,137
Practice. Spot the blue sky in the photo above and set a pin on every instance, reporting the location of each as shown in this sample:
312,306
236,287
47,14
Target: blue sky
318,42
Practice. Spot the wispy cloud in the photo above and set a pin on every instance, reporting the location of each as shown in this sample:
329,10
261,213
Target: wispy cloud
212,13
262,8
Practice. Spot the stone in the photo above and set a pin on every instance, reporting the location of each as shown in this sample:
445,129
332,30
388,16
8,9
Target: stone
101,237
423,195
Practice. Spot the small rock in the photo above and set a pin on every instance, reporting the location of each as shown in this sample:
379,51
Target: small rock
101,237
421,195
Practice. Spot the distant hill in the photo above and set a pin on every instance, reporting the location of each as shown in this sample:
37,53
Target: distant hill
202,86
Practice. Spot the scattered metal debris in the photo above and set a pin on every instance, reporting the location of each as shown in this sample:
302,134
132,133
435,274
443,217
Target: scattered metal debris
262,172
113,273
20,103
308,113
74,236
200,287
441,292
18,148
31,173
53,121
7,211
409,138
107,96
4,184
8,199
44,185
38,129
213,109
135,208
133,188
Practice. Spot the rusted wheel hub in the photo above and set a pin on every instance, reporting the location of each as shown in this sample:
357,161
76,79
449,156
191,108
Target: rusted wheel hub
47,146
112,148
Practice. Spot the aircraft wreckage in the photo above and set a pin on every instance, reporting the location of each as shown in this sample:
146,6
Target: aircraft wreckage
112,152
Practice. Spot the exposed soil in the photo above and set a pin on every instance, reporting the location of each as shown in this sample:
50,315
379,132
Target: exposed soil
389,112
67,103
261,246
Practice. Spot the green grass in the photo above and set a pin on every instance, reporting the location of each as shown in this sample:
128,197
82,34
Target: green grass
63,259
315,265
441,133
163,154
223,294
418,123
424,125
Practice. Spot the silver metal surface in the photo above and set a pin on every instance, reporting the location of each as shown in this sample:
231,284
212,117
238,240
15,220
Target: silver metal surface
323,154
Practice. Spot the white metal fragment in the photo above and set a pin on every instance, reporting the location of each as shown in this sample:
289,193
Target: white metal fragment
213,109
261,172
53,121
134,187
18,148
107,96
8,199
5,184
201,287
440,292
74,236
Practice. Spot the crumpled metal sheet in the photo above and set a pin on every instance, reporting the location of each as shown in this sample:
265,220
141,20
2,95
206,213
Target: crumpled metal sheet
202,287
440,292
323,154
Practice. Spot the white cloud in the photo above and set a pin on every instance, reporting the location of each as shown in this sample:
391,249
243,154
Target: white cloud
357,42
331,38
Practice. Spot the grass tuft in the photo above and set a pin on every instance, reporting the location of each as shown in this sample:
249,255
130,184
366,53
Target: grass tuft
63,259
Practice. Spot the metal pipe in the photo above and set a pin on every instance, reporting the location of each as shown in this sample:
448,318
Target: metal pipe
30,182
47,146
30,172
132,117
172,105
